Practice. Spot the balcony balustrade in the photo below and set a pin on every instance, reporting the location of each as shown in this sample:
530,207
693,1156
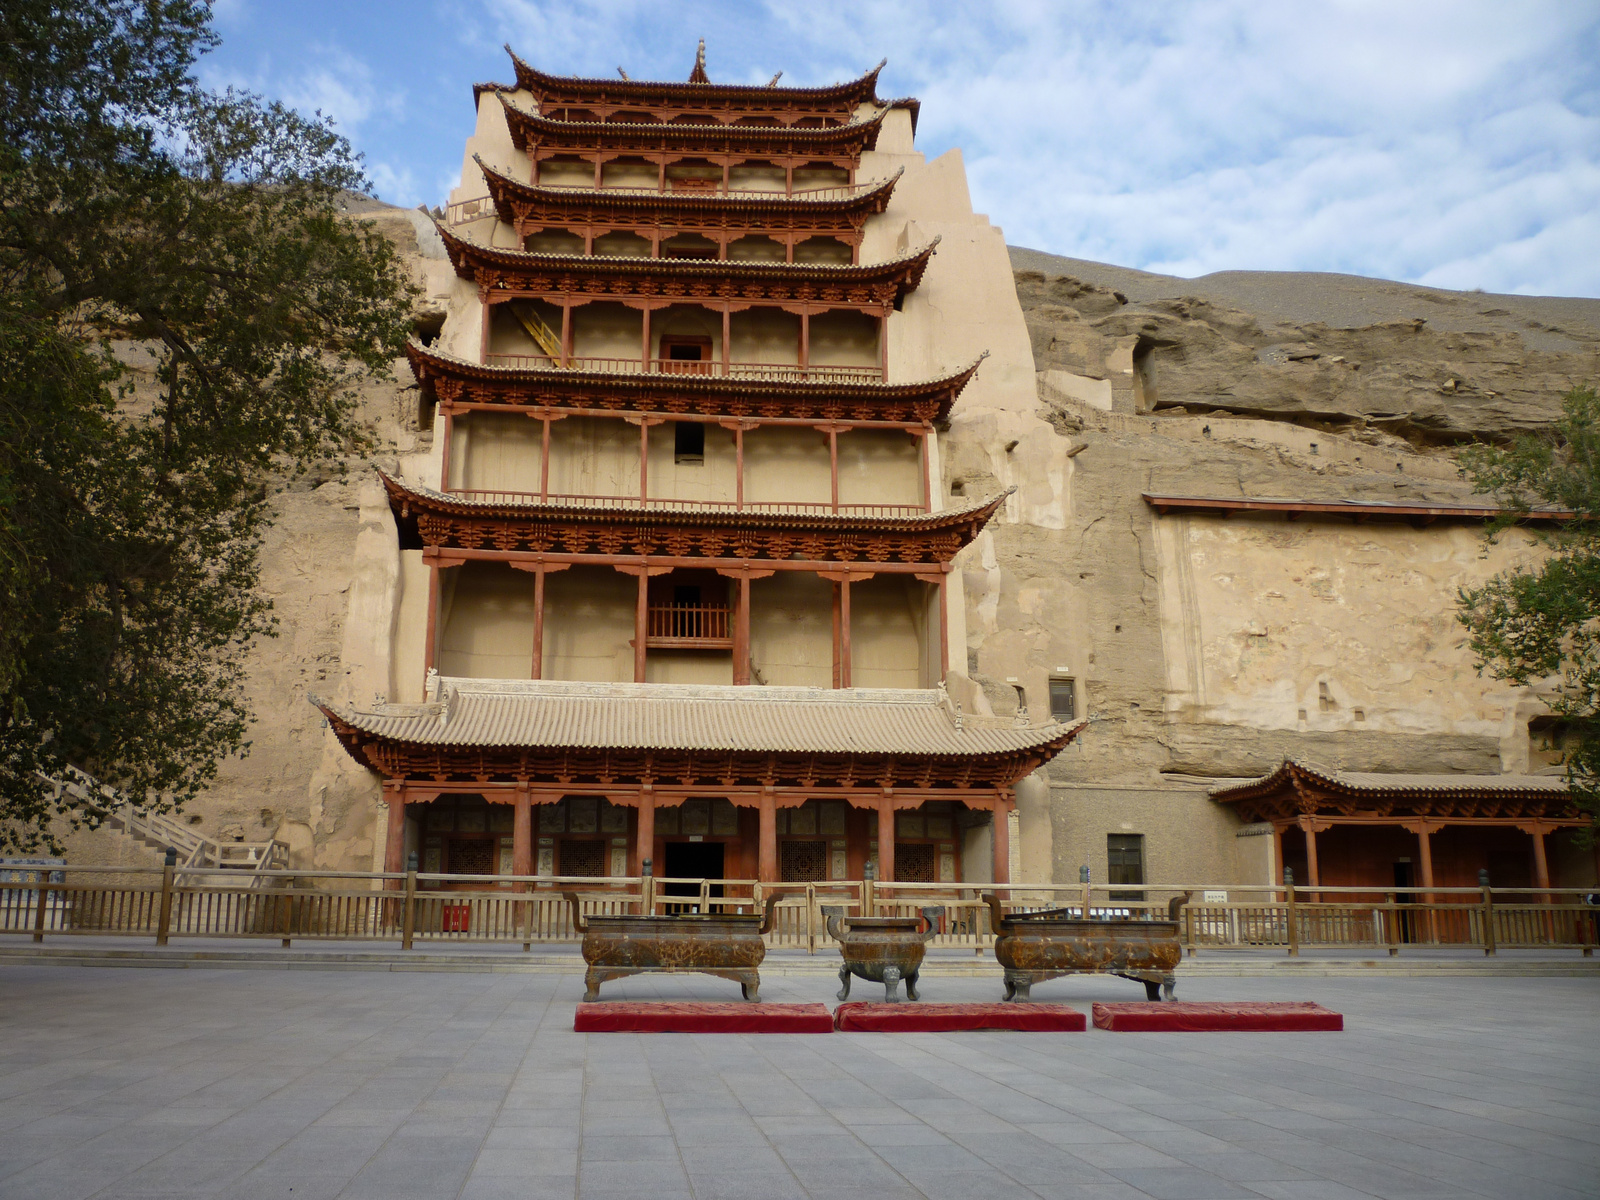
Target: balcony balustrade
789,507
688,627
754,371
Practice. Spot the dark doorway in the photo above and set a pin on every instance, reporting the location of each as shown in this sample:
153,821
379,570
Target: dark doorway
691,860
1405,920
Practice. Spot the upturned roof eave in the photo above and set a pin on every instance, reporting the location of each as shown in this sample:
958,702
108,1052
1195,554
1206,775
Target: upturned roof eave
1292,773
863,88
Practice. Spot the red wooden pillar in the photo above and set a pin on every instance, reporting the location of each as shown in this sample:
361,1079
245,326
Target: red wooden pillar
641,616
1541,863
488,324
522,831
741,633
544,461
1425,861
886,840
566,332
727,327
833,464
1001,840
644,836
738,467
1313,872
537,671
644,348
844,633
805,340
883,347
447,413
767,837
430,636
944,626
394,847
836,656
925,457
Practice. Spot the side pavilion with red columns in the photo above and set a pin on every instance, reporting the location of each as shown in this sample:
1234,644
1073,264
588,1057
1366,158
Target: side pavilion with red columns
646,748
1362,828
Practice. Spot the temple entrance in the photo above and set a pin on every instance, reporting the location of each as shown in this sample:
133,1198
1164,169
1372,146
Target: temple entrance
1404,920
691,860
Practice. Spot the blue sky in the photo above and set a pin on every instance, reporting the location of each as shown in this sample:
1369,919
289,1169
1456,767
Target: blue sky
1455,144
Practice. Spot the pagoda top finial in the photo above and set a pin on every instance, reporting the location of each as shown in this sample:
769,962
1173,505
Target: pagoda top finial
698,75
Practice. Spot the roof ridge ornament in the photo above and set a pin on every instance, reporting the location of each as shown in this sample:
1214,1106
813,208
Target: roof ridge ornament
698,75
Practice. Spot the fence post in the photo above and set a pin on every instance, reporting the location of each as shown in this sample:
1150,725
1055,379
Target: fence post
1188,927
408,910
1088,892
1294,923
647,888
169,871
41,889
811,918
1488,914
869,902
1393,937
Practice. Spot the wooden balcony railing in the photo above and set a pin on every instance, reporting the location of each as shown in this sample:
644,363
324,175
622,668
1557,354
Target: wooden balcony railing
478,207
790,507
756,372
409,907
688,627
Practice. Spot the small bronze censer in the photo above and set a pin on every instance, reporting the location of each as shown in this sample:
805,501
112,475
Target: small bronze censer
882,949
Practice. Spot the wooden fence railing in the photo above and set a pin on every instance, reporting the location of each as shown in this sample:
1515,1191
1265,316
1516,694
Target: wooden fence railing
413,908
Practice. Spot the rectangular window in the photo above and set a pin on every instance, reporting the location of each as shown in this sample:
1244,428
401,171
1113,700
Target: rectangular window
688,442
1125,862
1063,699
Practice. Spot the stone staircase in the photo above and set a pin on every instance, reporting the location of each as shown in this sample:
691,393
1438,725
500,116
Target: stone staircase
164,832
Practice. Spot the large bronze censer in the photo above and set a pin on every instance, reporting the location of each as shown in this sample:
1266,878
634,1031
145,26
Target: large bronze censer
882,949
727,945
1036,946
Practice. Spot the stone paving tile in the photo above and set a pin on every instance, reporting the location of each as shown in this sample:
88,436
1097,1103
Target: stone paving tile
216,1083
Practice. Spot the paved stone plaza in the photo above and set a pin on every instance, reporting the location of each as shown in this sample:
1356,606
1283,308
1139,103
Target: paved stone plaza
307,1085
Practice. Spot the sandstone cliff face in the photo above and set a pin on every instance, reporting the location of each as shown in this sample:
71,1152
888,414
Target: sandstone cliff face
1334,351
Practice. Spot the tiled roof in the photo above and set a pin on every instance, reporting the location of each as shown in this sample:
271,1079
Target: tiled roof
685,511
1380,785
629,716
530,77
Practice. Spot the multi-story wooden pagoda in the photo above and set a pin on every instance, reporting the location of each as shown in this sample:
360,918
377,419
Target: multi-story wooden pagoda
684,542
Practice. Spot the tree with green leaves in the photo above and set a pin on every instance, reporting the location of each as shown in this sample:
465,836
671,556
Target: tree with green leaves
184,317
1540,627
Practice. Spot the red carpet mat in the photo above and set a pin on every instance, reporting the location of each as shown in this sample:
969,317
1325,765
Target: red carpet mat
864,1017
627,1016
1174,1016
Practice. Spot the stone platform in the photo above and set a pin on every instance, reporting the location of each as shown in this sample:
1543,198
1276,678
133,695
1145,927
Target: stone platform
472,1085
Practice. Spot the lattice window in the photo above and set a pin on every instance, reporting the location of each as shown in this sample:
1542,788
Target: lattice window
471,856
583,858
804,862
915,862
